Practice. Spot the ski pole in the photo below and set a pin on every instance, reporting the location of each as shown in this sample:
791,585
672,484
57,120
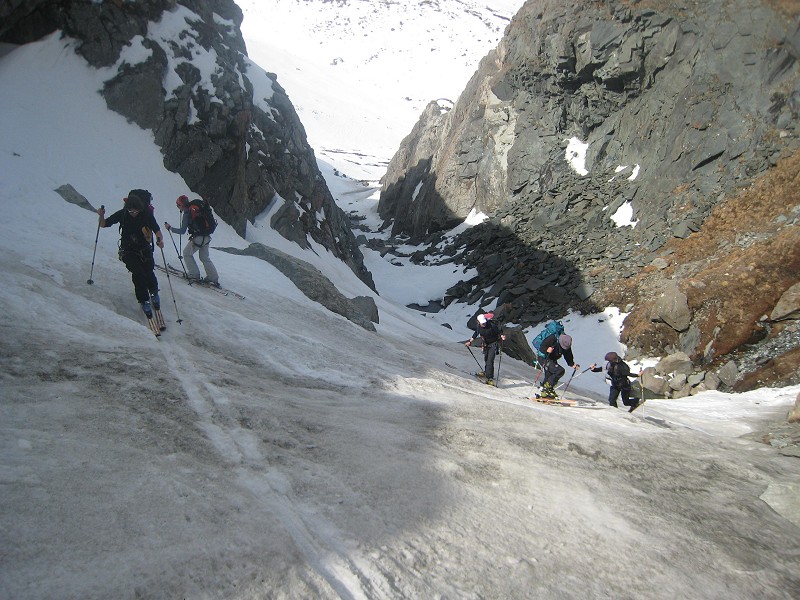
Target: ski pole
169,281
643,408
180,258
564,391
539,366
180,237
90,281
573,375
499,364
473,357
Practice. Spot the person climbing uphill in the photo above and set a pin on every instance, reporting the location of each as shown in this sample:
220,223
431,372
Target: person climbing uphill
552,348
491,335
197,220
137,228
617,375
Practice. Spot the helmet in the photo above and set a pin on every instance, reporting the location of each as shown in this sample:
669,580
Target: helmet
482,319
182,202
564,341
612,357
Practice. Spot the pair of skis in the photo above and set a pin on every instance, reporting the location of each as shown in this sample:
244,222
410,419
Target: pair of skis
156,323
199,282
479,376
561,401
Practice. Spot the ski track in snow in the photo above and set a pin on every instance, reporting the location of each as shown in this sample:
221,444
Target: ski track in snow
271,490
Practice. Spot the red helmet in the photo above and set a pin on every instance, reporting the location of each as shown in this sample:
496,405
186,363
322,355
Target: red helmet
182,202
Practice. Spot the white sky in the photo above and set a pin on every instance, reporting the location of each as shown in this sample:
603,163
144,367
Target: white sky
270,445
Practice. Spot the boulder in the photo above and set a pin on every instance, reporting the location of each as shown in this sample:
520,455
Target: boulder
368,307
728,373
313,283
672,308
794,413
678,382
516,345
652,382
788,307
711,381
675,364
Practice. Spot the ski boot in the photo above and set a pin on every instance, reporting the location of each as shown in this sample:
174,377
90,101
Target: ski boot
548,392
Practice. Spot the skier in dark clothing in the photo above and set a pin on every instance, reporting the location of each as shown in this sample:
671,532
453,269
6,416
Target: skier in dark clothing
554,347
490,333
617,374
137,226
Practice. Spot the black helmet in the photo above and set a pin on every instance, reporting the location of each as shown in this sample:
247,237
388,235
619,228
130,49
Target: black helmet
612,357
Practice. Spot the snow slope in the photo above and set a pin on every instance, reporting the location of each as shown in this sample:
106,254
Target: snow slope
268,448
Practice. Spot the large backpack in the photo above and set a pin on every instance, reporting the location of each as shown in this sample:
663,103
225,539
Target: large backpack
202,218
139,240
552,328
619,373
143,195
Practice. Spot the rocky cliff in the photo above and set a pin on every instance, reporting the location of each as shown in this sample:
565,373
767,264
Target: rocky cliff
180,69
598,137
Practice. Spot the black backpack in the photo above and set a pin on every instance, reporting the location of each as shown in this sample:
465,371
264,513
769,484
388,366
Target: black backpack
619,373
202,218
144,196
138,240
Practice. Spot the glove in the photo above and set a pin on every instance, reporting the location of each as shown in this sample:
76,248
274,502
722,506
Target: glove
167,225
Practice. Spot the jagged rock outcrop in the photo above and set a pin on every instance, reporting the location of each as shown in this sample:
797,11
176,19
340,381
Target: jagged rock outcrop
361,310
226,126
678,108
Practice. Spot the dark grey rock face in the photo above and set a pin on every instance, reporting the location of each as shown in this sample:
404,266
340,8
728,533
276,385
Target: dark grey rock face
680,106
236,148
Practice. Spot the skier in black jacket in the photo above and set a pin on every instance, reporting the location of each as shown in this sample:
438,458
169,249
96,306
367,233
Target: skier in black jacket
554,347
490,333
137,226
617,374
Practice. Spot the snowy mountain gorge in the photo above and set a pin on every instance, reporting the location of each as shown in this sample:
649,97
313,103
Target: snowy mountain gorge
317,439
665,113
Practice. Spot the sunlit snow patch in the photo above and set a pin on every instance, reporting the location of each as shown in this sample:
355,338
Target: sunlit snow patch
623,216
575,155
474,217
